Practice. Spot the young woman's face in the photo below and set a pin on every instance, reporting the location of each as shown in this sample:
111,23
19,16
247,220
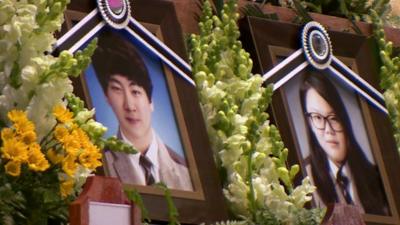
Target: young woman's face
326,126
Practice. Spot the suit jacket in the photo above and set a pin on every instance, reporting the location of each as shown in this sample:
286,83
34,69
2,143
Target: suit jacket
172,169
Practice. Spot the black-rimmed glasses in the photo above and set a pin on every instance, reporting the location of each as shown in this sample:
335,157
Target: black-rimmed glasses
319,121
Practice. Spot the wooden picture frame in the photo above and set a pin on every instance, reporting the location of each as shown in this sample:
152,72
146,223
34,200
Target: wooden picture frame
158,34
276,49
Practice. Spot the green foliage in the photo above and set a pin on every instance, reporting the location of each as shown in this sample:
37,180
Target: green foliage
354,10
136,198
255,10
231,223
172,211
248,149
67,65
95,130
389,74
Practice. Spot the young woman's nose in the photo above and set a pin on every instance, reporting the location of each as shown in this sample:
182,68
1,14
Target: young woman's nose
129,102
328,128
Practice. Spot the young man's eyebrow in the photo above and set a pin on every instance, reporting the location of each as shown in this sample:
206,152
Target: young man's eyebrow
112,79
131,82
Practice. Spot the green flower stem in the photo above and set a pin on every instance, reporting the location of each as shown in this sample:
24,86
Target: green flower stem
251,195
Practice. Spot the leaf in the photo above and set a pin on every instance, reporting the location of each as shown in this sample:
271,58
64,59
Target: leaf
255,10
135,197
15,76
172,211
219,5
302,12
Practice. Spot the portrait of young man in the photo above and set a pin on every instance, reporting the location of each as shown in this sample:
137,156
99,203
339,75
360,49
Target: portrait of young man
128,89
338,160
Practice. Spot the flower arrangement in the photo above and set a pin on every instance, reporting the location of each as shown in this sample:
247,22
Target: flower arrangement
49,143
389,75
248,149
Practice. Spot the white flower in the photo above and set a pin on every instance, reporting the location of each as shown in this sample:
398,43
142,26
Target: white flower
302,193
46,97
236,193
84,115
250,103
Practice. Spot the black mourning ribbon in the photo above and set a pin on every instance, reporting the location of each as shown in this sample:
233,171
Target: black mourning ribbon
343,182
146,165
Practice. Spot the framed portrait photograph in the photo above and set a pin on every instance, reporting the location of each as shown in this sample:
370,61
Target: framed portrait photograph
331,116
139,83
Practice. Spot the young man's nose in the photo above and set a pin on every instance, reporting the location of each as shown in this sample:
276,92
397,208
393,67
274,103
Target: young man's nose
129,103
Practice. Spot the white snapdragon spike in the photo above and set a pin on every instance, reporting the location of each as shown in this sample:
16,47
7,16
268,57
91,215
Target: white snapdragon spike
84,116
233,102
268,171
236,192
239,124
46,96
228,157
94,127
250,103
302,193
215,95
240,166
278,201
258,160
260,188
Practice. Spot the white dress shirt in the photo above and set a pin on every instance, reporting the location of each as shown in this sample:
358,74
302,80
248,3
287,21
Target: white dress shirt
151,154
346,172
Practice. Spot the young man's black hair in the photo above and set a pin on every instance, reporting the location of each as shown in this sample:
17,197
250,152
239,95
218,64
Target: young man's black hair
116,55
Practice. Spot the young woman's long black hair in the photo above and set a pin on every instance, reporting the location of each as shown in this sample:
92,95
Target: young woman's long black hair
366,176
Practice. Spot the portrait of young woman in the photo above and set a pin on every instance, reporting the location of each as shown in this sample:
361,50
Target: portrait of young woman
335,149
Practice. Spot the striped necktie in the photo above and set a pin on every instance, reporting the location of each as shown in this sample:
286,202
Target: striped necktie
146,165
343,182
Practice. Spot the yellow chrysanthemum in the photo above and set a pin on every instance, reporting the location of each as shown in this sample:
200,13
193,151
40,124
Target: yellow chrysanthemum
20,121
69,165
81,135
60,132
13,168
7,134
23,127
90,159
36,160
15,150
62,114
66,187
28,137
54,157
16,116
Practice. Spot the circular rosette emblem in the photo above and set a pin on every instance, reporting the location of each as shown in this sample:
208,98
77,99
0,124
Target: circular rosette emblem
317,45
115,12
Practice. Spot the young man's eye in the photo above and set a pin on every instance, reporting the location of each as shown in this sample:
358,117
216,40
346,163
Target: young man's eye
136,92
115,88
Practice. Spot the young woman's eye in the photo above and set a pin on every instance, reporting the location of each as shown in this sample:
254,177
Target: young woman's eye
318,117
333,118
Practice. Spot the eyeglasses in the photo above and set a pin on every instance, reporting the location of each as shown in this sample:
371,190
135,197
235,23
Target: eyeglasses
319,121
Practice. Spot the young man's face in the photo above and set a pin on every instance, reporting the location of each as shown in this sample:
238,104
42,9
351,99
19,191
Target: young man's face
131,106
